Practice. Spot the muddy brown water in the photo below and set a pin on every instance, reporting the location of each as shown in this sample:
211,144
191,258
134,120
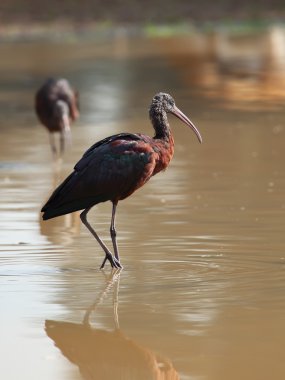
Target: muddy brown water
202,292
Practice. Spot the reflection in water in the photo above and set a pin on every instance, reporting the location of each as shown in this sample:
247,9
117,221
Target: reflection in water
209,290
60,230
102,354
251,68
241,70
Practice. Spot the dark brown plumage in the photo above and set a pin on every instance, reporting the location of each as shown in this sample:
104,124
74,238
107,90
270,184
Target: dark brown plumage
113,168
56,105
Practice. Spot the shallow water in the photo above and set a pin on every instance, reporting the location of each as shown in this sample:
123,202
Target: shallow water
202,292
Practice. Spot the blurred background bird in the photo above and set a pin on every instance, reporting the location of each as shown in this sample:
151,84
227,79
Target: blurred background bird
57,105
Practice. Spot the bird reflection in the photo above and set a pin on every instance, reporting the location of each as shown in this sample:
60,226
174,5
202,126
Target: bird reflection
106,355
63,230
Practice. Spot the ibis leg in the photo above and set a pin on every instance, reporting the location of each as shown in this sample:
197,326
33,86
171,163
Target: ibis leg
113,231
52,144
62,143
65,138
108,255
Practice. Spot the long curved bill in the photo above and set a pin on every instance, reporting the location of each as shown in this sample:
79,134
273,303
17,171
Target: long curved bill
176,112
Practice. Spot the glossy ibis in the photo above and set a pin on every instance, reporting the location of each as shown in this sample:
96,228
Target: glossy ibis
56,105
113,168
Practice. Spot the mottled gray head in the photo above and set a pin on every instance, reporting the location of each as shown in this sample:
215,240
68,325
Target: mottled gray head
163,103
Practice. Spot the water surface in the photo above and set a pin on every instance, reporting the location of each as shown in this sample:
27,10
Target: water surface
202,292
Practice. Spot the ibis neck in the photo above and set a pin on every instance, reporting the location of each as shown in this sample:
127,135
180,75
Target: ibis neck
160,124
61,113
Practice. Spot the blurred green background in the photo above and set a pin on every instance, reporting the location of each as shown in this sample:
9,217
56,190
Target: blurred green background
139,11
88,13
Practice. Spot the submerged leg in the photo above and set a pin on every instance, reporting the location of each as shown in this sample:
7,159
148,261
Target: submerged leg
65,139
65,133
108,255
113,231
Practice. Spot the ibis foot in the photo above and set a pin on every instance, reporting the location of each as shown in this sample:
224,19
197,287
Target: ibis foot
113,261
